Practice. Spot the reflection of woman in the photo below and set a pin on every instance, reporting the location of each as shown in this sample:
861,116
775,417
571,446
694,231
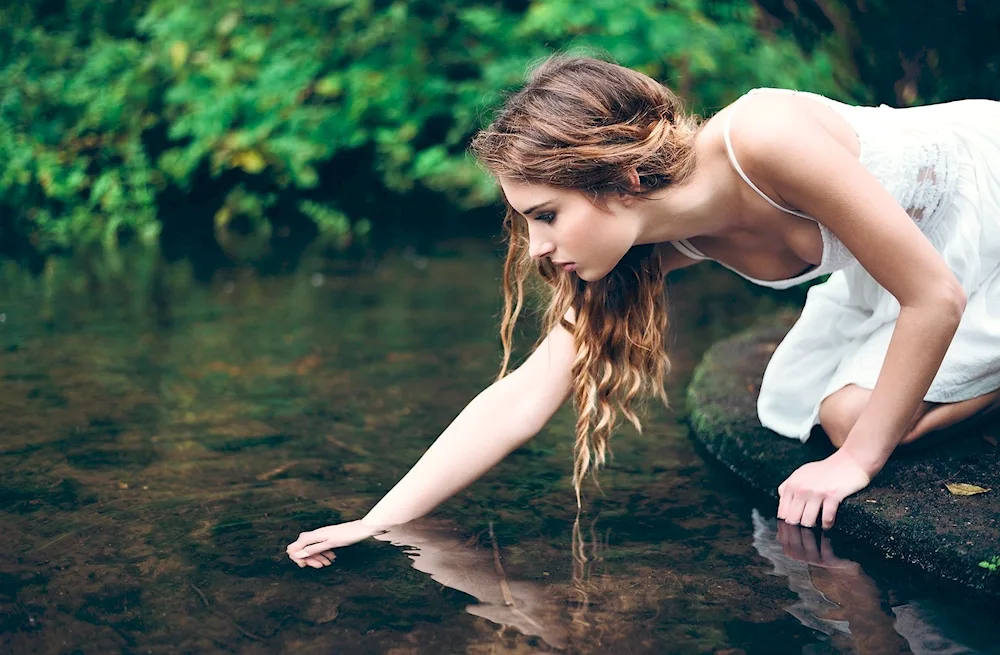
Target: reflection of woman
609,185
838,599
437,550
835,595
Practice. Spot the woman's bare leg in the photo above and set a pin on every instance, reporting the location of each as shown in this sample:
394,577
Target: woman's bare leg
839,412
944,415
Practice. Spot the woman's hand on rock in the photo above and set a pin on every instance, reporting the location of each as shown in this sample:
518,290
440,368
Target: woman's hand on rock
814,491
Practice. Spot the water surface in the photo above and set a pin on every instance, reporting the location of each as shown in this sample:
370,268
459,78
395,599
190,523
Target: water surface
162,440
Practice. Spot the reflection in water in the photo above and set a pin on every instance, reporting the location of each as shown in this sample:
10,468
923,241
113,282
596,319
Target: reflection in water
160,438
835,596
467,566
475,566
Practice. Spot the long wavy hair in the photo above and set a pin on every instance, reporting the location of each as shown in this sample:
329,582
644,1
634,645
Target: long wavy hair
587,124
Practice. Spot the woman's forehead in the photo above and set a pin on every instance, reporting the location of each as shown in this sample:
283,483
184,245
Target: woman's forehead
522,196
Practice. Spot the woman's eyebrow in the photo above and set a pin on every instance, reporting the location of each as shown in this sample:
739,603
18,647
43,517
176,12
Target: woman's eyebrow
532,210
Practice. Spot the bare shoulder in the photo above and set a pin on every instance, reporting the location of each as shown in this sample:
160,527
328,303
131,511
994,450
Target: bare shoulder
760,125
775,130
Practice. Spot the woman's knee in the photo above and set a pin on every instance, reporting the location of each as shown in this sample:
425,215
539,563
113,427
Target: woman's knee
840,411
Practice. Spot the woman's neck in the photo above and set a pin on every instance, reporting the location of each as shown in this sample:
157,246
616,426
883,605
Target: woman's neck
706,204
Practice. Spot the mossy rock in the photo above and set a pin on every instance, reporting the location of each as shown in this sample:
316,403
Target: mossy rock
907,512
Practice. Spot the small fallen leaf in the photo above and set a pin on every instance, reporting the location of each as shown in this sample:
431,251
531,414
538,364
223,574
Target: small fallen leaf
962,489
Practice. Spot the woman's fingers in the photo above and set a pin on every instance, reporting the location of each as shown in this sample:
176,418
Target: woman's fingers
795,507
811,511
808,509
315,548
314,561
316,555
308,551
305,540
830,506
330,537
784,500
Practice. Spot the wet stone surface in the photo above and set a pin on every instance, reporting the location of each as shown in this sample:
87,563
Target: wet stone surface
162,440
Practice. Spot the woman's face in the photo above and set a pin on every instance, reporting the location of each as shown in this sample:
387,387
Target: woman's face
566,227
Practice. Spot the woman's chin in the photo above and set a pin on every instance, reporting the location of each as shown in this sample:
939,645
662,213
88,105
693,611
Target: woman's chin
590,275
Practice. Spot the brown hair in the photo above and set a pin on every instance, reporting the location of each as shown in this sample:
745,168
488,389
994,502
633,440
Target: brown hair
585,124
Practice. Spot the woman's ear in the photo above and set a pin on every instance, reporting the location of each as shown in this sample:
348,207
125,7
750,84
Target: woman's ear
633,182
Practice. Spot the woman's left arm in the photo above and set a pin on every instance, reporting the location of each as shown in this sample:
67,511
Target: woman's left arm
807,168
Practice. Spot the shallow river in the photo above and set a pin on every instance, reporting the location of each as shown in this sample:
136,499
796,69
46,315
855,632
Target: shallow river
163,439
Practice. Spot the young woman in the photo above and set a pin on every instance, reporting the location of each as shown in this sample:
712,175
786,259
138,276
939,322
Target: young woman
609,185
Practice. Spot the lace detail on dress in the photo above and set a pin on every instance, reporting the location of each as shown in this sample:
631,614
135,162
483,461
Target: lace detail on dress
915,162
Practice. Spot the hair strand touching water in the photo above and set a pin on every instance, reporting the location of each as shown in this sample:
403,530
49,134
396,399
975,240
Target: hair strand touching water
590,125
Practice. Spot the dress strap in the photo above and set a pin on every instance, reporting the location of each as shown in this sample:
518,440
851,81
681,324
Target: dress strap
739,169
686,249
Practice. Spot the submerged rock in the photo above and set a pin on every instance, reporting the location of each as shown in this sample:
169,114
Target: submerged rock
907,512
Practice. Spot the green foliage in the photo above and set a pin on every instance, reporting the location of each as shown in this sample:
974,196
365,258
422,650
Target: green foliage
103,111
992,564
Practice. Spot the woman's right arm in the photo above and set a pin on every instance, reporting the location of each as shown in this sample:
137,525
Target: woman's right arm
499,420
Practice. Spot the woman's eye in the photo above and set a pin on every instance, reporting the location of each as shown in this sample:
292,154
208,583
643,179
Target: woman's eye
546,217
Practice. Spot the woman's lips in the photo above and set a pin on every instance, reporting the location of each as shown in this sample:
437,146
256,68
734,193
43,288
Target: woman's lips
569,266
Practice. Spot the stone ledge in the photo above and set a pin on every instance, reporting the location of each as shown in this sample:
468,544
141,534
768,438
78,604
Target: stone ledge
907,512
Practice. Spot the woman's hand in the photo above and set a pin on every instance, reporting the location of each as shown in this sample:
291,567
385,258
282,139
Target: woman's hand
820,486
315,548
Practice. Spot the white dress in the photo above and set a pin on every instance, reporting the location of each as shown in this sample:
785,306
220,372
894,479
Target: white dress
942,164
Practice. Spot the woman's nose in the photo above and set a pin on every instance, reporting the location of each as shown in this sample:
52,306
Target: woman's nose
537,248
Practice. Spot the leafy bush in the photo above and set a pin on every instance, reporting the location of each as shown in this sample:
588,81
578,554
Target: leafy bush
109,118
